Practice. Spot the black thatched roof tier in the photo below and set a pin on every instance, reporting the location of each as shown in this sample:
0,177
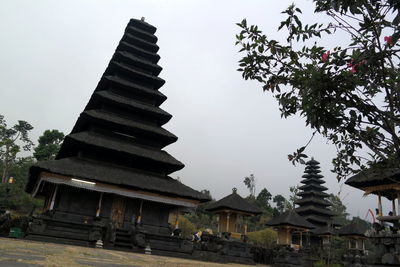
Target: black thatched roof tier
92,170
308,209
134,105
234,202
130,58
139,42
312,204
313,187
312,181
318,220
290,218
377,175
312,193
140,76
313,200
125,125
144,26
135,50
123,84
312,175
143,34
353,229
324,230
118,138
312,171
127,149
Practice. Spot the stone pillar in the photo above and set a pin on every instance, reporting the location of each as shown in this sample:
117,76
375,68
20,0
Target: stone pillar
177,219
227,221
53,199
287,236
218,222
99,205
398,203
380,213
301,239
394,206
139,220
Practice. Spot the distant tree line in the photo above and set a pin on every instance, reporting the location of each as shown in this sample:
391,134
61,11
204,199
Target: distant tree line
14,168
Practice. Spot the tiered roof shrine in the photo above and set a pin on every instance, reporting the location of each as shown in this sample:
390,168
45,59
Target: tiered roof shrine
312,204
112,174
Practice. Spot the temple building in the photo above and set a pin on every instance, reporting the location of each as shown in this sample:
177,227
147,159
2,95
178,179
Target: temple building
288,225
293,235
312,203
354,233
231,210
111,179
384,182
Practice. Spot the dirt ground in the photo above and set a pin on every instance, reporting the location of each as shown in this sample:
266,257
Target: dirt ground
23,253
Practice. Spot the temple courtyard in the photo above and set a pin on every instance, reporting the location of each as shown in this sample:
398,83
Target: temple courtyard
21,253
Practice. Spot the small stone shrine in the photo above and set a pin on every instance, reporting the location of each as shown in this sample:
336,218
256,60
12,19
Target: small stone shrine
383,181
109,183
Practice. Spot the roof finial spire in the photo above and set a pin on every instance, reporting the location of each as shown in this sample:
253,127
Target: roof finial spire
142,19
234,190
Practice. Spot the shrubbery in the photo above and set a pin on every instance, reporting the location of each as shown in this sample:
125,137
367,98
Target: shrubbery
186,226
265,238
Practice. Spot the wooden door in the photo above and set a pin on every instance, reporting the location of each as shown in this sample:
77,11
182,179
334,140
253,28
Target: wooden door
118,211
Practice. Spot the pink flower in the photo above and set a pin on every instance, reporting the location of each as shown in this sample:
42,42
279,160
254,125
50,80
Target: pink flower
388,40
325,56
352,66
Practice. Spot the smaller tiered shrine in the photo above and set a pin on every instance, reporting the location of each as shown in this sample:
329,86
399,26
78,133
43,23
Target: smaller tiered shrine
312,204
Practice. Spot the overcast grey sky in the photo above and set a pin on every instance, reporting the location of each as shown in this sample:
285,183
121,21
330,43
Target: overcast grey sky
53,54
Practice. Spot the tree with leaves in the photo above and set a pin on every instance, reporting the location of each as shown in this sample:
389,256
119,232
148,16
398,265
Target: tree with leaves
207,193
12,193
263,198
12,140
280,201
49,145
250,182
339,209
350,94
293,197
290,203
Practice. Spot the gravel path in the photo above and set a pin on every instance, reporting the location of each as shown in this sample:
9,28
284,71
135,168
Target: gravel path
23,253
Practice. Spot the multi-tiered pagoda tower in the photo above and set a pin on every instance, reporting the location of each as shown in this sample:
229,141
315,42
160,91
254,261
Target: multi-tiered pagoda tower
313,205
111,174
